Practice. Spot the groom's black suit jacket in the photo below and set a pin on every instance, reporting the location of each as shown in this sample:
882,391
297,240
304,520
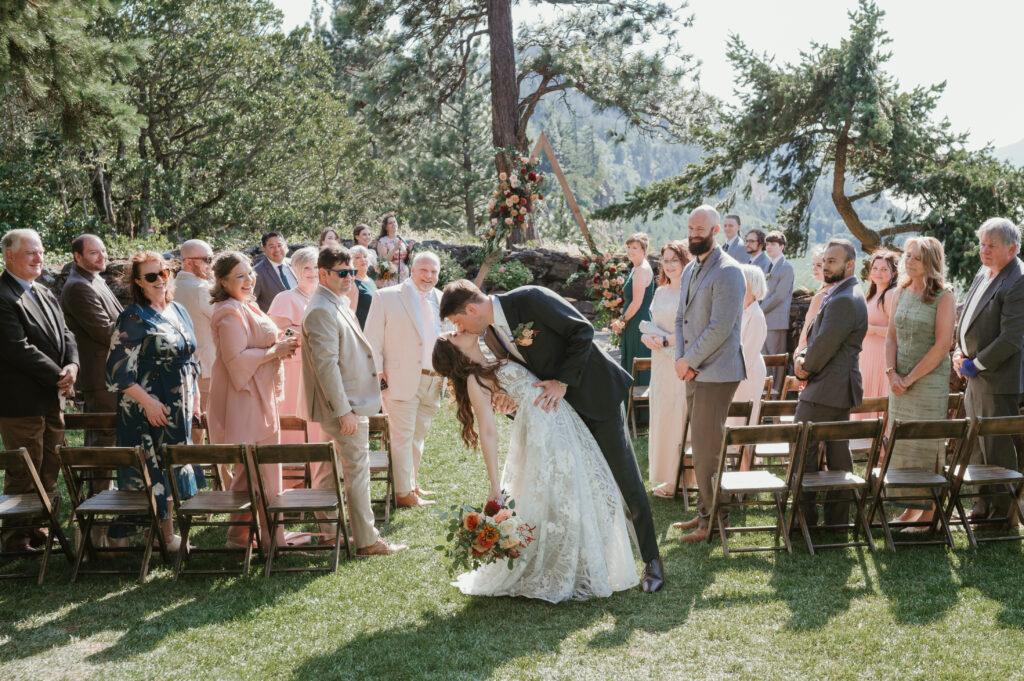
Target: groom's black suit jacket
564,349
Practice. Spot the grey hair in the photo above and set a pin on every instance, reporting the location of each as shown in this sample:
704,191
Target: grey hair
1008,232
710,211
304,256
756,282
12,239
427,255
359,250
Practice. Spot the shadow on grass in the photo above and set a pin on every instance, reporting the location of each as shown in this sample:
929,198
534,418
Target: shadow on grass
917,582
995,571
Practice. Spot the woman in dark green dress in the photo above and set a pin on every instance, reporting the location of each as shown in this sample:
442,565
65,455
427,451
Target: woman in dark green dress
637,294
151,368
365,288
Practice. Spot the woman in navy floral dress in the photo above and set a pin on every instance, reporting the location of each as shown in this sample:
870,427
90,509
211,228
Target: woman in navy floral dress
151,367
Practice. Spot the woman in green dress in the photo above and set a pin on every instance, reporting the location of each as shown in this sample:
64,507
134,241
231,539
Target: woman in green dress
917,363
637,294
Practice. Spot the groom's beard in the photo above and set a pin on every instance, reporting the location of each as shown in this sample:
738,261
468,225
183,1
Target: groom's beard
701,246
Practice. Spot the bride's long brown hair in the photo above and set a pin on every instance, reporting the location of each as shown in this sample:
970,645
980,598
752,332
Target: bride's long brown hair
451,363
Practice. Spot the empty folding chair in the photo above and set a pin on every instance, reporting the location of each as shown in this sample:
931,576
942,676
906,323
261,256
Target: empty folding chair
380,462
198,510
812,483
296,475
32,510
776,365
111,507
772,454
739,410
972,476
303,501
639,395
744,488
934,486
877,407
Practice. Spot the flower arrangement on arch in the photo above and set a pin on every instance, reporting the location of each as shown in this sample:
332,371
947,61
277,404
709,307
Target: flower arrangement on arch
605,276
512,203
479,536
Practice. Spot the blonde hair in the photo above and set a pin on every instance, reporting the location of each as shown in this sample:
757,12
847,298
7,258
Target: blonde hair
639,238
933,259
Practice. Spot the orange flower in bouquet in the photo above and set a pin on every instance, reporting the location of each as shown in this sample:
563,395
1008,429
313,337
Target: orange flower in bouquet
480,536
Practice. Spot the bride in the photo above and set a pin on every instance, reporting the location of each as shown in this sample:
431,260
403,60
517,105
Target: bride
557,476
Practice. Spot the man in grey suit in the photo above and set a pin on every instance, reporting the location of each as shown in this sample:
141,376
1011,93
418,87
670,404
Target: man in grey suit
734,245
989,339
755,243
830,365
776,304
273,273
709,358
342,390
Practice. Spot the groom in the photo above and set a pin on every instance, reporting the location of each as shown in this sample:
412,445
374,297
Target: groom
547,335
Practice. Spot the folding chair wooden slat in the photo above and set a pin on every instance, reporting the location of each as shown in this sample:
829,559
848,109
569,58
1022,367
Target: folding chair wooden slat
302,500
639,395
812,482
89,511
974,475
773,362
197,510
742,410
32,510
296,424
743,488
381,469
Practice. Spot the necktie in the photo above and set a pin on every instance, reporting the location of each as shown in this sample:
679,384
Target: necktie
284,277
770,266
693,280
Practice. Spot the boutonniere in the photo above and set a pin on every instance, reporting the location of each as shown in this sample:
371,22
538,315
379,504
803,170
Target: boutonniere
768,276
524,334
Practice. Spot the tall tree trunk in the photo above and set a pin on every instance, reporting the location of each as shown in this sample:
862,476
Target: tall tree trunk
869,238
145,198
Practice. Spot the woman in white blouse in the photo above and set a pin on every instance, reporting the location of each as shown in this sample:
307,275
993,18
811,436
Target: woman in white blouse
753,331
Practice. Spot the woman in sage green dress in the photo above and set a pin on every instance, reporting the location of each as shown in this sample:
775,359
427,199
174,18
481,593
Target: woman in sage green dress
637,294
917,362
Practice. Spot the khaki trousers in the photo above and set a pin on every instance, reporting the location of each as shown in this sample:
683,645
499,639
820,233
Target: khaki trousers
354,454
409,421
40,435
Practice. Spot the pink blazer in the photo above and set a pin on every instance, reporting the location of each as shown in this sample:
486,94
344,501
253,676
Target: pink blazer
244,390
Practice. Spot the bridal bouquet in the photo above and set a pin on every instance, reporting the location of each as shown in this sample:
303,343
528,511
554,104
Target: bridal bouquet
480,536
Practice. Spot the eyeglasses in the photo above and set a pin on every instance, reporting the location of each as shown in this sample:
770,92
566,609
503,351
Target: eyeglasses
342,273
150,277
207,259
670,261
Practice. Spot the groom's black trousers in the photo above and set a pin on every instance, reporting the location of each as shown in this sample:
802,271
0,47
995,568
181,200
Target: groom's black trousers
613,439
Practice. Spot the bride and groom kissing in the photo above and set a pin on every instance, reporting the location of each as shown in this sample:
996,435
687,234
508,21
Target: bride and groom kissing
569,468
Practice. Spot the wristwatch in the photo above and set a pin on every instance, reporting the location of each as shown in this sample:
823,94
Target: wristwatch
889,370
664,341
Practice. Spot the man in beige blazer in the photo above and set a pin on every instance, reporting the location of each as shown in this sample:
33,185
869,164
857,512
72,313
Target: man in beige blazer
402,325
341,389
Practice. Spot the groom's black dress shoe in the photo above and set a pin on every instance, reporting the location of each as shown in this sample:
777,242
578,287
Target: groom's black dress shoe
653,577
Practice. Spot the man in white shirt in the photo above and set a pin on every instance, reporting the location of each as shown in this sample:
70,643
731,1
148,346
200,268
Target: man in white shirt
402,327
273,273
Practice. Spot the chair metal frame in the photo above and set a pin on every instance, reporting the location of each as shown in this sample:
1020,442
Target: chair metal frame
639,395
742,410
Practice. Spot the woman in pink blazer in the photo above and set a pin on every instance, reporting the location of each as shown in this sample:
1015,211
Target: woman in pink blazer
247,379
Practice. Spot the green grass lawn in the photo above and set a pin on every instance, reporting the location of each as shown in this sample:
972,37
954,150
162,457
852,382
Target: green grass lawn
919,613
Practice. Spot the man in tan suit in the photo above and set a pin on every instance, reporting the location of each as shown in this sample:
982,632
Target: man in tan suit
402,326
342,390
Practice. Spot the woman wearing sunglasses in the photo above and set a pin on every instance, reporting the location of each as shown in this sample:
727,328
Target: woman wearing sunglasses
152,369
247,378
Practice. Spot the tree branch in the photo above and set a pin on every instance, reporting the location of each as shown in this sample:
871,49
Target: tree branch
902,228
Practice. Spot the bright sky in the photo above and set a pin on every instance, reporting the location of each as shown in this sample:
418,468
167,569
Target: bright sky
975,47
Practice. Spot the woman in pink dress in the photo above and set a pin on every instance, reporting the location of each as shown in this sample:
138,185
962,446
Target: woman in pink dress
392,249
883,268
246,382
286,312
753,331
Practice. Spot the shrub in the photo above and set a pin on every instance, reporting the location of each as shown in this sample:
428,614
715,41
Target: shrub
508,275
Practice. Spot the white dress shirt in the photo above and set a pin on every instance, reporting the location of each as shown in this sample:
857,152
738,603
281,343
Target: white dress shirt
504,333
972,305
429,321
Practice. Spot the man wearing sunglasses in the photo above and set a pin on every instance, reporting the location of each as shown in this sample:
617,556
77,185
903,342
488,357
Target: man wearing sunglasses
192,289
341,388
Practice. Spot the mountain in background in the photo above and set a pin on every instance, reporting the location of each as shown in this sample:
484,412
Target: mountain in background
1014,153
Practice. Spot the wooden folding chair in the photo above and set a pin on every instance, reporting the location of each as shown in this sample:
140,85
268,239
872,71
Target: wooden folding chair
296,472
790,388
302,501
32,510
639,395
773,362
743,488
974,475
211,472
88,422
811,483
772,454
953,405
111,507
380,462
199,509
937,485
860,448
742,410
766,392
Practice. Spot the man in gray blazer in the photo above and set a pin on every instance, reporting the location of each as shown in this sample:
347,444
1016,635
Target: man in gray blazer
755,243
830,365
273,273
989,339
734,245
709,357
776,304
342,390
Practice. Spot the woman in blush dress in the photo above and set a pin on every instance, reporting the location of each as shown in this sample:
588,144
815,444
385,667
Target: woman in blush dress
286,312
361,236
329,237
247,378
883,267
392,249
667,392
817,263
753,331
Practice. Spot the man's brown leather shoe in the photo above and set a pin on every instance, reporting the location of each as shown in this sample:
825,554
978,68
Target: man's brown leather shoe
687,524
411,500
700,534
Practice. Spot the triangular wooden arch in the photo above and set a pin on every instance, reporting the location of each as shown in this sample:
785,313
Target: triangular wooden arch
544,145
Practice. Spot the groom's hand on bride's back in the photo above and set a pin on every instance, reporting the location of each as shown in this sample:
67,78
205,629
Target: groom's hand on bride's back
503,403
554,391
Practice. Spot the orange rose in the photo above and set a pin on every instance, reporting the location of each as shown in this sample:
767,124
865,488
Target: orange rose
502,515
471,522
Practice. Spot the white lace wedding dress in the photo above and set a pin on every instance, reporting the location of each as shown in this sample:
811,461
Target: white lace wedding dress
561,484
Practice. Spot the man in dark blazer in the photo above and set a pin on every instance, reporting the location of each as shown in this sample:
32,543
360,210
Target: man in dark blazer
709,356
830,365
734,244
38,368
91,311
570,366
273,273
989,339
